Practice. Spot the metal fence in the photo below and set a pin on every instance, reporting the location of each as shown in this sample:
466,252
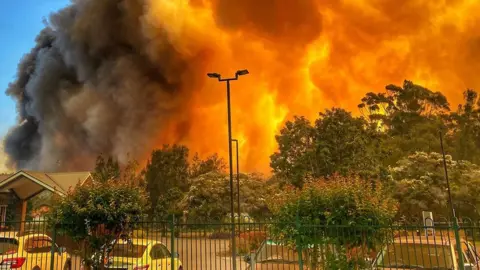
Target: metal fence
259,245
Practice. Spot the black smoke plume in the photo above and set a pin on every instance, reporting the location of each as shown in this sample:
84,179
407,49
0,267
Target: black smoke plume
93,84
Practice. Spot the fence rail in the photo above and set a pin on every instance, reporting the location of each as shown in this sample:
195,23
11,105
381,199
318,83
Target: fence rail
261,245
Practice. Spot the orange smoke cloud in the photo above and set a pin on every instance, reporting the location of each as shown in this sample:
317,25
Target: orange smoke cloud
126,76
305,56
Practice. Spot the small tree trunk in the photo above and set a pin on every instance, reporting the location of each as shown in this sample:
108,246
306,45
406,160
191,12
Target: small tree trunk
101,265
314,257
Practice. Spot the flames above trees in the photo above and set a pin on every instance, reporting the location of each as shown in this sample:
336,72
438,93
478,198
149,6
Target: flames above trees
120,77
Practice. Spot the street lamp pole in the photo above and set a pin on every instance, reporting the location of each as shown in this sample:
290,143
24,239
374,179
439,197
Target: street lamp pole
238,180
232,210
452,209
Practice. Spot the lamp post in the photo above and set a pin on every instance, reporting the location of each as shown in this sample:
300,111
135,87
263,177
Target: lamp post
452,209
227,80
238,180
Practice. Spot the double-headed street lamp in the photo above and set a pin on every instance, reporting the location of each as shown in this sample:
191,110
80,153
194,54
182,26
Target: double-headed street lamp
220,79
238,180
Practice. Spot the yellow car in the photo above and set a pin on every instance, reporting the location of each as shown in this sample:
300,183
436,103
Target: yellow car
142,254
30,251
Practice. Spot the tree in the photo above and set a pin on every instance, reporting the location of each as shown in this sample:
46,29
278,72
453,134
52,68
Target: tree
419,185
98,213
465,126
106,170
402,107
130,172
212,163
166,169
330,213
338,143
345,144
167,205
294,160
208,197
410,117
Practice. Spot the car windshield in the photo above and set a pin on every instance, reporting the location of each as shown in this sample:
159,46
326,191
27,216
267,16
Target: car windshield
8,245
273,253
415,256
128,250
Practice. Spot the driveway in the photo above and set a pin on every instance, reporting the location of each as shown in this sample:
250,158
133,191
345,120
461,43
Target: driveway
205,254
197,253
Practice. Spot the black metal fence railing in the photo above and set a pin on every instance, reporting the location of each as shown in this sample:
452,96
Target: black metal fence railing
259,245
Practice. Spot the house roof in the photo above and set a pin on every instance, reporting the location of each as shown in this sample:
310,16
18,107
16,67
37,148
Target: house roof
62,180
26,184
4,176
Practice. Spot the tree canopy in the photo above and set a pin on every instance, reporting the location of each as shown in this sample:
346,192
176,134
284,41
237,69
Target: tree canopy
338,208
396,137
106,169
166,169
419,184
337,143
99,213
395,140
208,197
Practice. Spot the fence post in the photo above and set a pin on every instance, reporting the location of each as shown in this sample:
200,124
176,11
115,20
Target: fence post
172,243
456,228
54,245
298,225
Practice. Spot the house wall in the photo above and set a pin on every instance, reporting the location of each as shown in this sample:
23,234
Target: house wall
44,198
14,206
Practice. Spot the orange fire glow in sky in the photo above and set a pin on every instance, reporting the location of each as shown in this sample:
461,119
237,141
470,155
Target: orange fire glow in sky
305,56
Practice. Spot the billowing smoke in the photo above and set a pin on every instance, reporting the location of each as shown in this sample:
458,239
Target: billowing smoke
125,76
3,160
93,84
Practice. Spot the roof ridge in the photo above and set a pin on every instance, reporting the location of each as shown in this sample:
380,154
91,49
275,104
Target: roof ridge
46,174
68,172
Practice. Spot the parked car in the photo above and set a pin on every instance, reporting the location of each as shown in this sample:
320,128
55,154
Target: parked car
141,254
273,256
432,252
31,251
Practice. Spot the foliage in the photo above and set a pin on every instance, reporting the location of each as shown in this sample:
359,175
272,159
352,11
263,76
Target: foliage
345,144
167,205
167,169
212,163
465,126
419,184
338,260
338,143
106,169
98,213
130,172
293,160
410,116
110,169
345,204
400,108
208,197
